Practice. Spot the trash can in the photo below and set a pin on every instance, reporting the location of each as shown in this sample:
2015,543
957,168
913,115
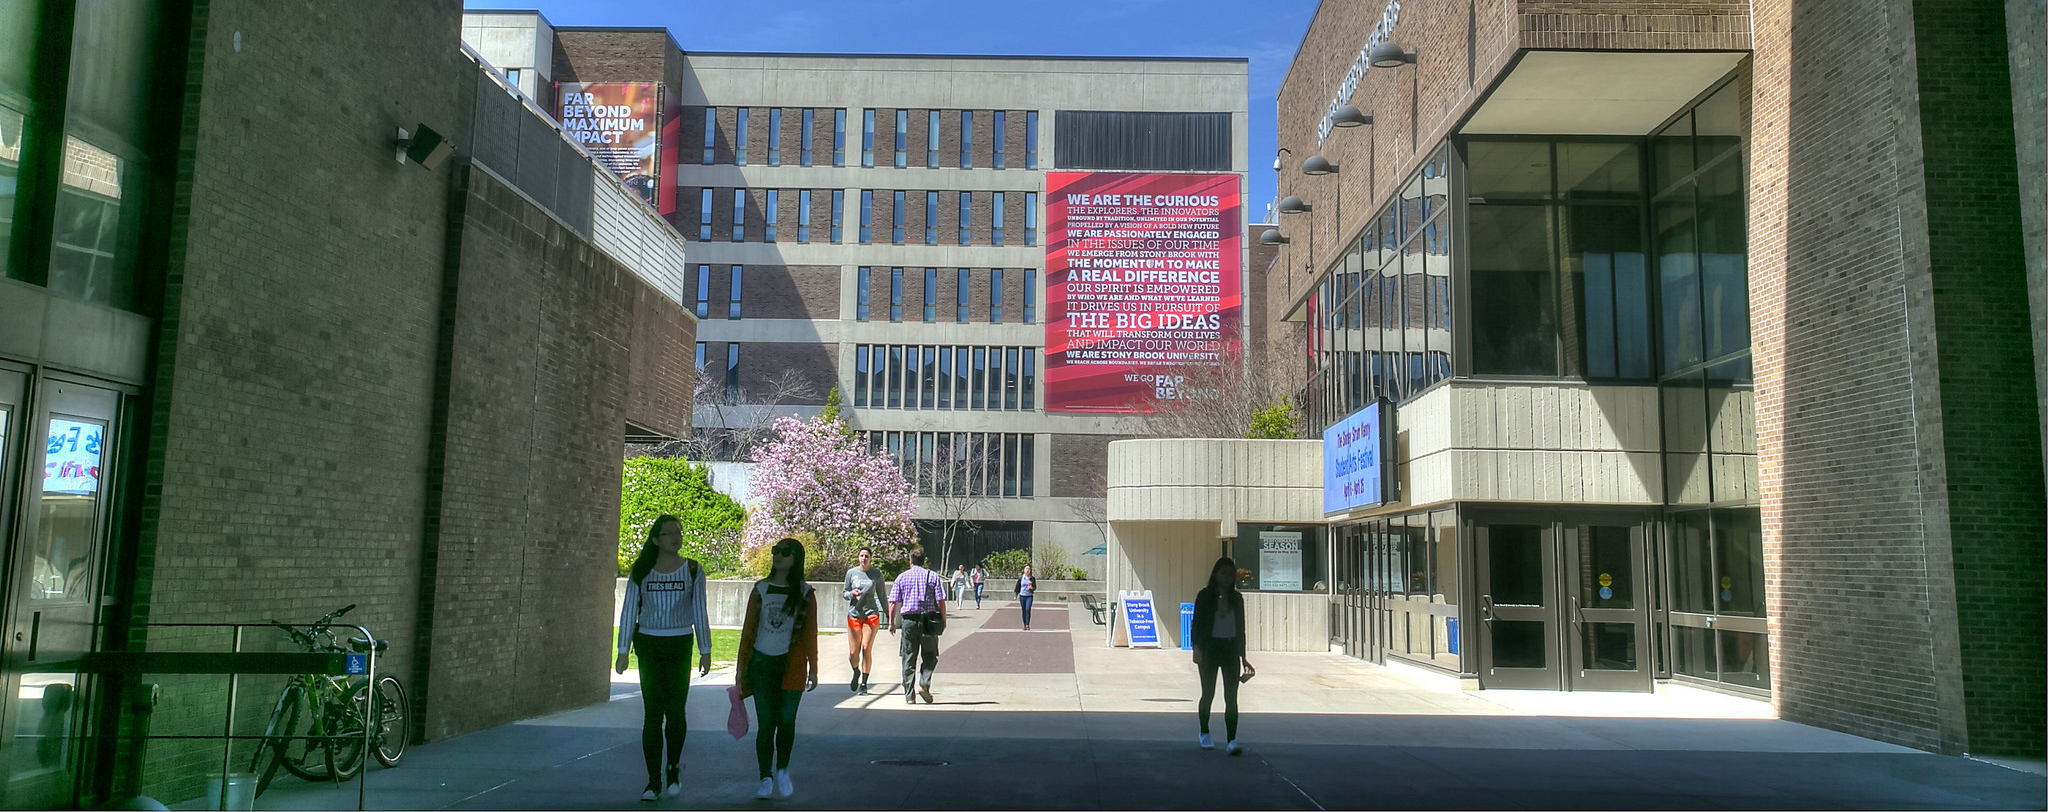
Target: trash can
1187,626
241,792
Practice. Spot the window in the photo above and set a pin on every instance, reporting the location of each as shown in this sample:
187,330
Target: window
1030,296
732,309
1165,142
1030,218
838,214
808,137
960,293
895,294
931,140
1031,139
1010,381
867,138
700,356
839,138
998,139
966,215
931,218
1025,470
1030,380
896,219
704,217
739,138
703,292
739,215
775,136
995,296
867,216
1280,558
945,382
978,380
512,77
902,138
966,139
995,229
710,135
931,294
862,288
960,374
928,382
894,387
860,376
803,216
732,374
770,214
911,373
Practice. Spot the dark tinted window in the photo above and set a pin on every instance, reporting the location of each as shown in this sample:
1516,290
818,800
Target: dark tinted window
1091,139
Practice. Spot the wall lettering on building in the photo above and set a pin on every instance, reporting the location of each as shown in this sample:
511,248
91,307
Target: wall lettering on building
1389,17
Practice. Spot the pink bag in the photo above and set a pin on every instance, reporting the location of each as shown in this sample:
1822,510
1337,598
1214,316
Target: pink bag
736,722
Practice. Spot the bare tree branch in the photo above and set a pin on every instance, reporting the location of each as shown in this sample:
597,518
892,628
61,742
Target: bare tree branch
1217,400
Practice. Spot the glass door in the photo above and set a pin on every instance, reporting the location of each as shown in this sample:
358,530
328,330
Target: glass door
54,565
1607,639
1518,606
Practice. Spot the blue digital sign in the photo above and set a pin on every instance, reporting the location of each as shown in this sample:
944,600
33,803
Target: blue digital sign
1352,476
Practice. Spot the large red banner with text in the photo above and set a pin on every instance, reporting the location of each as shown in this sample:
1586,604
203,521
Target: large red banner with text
621,124
1142,284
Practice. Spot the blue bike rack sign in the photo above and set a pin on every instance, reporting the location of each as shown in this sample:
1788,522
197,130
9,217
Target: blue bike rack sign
358,664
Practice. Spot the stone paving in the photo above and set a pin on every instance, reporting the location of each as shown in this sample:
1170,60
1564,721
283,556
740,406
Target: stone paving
1116,731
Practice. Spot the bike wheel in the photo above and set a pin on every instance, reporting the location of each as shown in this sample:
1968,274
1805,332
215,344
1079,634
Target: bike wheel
270,750
394,722
346,744
305,751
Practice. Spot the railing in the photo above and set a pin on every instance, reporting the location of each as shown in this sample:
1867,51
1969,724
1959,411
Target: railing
236,663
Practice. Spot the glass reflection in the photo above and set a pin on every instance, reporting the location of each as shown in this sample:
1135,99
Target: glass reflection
70,499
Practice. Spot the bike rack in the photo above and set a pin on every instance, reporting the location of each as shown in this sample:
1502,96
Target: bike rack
234,664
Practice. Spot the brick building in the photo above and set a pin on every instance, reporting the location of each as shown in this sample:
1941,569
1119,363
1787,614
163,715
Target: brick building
1701,341
875,223
279,371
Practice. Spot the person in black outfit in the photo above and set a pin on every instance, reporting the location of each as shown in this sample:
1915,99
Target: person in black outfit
1219,642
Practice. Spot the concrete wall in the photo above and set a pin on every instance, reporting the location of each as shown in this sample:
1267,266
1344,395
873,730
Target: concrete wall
1217,480
1549,443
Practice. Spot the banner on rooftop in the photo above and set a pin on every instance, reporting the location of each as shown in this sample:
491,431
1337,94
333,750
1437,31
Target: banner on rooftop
1142,287
620,124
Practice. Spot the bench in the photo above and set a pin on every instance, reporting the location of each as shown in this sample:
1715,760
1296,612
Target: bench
1095,608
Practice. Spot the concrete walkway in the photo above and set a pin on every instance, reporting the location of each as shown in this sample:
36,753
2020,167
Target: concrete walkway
1016,726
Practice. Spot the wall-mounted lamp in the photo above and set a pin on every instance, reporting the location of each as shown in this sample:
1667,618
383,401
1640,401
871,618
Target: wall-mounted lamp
423,146
1318,165
1294,205
1390,55
1272,236
1349,116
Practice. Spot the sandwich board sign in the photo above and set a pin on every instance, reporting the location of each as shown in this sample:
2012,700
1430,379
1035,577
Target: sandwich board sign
1141,621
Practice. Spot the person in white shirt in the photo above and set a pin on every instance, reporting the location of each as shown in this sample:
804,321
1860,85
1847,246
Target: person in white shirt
664,617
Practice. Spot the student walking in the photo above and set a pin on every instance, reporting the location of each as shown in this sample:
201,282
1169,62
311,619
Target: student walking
917,605
1026,586
779,661
863,591
1219,642
959,584
979,576
664,618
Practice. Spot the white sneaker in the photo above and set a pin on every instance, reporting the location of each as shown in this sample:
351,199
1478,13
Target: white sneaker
766,789
674,789
651,793
1233,747
783,788
1207,743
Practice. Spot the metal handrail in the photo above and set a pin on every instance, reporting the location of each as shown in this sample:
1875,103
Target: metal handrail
290,663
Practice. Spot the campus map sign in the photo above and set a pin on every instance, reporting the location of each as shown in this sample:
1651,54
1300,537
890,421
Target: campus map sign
1142,279
619,123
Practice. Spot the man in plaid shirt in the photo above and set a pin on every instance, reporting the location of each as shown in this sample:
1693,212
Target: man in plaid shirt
917,594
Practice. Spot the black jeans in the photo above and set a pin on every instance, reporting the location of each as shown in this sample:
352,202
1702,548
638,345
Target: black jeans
776,707
664,689
1221,657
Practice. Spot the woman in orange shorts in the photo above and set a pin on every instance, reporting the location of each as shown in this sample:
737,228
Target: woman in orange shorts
863,617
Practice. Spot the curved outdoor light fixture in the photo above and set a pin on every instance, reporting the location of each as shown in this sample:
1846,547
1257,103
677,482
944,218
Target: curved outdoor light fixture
1318,165
1390,55
1272,236
1294,205
1349,116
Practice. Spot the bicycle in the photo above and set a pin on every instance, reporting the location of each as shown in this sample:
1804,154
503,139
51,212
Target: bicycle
316,727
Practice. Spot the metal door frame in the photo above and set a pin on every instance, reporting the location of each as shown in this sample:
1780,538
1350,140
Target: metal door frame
1577,676
1549,613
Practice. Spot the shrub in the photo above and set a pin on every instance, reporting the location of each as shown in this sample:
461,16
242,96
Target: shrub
1008,563
1278,420
712,521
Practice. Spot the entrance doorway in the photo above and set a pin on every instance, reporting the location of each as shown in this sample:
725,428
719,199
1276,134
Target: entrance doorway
1563,604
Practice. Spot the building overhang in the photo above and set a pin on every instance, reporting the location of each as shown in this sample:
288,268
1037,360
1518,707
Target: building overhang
1596,92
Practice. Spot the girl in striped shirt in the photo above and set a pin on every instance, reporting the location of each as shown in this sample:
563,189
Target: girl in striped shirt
664,617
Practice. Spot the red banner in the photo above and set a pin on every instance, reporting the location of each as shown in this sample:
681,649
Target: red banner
1142,278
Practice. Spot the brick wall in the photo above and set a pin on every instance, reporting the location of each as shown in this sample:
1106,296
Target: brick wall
1083,460
789,292
815,364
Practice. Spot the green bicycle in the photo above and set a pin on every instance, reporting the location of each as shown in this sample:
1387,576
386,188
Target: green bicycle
316,728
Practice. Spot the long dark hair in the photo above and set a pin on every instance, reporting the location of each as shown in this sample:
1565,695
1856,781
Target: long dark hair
644,562
1223,564
792,578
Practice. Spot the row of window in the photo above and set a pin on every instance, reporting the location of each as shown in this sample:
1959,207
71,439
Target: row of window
772,224
945,378
935,122
962,279
956,464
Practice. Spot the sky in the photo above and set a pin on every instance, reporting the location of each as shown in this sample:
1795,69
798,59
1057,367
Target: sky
1267,33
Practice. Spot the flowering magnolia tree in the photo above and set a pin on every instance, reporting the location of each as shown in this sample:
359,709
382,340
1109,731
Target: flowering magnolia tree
816,481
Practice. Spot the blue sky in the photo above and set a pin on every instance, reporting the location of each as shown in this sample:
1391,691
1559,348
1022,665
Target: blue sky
1266,33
